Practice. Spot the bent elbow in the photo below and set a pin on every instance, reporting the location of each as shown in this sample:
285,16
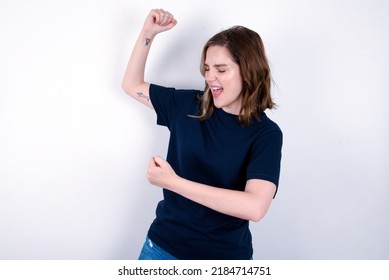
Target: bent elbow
257,214
256,218
126,88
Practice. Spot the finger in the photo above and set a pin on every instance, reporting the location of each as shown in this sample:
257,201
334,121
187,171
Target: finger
160,15
163,17
151,170
159,161
167,19
153,164
156,161
150,167
164,20
172,23
156,15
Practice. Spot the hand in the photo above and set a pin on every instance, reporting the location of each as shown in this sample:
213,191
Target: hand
158,21
160,173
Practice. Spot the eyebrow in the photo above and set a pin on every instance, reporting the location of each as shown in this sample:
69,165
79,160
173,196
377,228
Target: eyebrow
217,65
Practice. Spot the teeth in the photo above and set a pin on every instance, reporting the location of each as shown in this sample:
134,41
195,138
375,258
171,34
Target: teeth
215,89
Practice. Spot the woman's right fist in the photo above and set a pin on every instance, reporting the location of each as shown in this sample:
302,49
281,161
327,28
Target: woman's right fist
158,21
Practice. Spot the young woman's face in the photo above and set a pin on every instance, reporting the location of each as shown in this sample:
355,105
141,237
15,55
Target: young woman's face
223,77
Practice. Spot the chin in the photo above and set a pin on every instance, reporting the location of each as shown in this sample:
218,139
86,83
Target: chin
218,105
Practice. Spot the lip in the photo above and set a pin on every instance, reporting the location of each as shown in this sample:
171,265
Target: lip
215,87
217,93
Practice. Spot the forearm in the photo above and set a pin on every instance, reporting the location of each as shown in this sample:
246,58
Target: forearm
250,204
240,204
134,76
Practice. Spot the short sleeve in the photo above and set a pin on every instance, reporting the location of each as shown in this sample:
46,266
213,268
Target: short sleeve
162,99
265,157
169,102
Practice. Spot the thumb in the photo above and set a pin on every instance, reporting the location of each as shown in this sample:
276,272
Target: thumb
158,161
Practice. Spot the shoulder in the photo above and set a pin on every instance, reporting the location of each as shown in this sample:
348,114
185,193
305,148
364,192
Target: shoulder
172,97
156,89
267,132
170,102
265,125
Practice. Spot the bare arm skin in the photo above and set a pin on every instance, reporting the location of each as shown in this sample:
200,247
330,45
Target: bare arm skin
134,83
251,204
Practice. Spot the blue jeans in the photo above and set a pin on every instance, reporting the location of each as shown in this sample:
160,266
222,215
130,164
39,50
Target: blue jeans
152,251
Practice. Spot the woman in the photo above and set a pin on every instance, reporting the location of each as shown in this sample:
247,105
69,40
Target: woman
224,154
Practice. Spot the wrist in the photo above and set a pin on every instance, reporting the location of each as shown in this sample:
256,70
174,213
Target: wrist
147,38
175,183
145,33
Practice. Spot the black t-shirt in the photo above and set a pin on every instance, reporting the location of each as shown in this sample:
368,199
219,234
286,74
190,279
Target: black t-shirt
217,152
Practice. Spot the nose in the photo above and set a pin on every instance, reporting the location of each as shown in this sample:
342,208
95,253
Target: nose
210,76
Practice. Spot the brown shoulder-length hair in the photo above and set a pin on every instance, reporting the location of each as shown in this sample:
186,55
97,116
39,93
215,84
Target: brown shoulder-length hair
247,50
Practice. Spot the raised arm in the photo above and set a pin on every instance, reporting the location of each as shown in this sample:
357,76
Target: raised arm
134,83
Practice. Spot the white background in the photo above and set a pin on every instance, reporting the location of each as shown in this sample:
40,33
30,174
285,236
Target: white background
74,148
